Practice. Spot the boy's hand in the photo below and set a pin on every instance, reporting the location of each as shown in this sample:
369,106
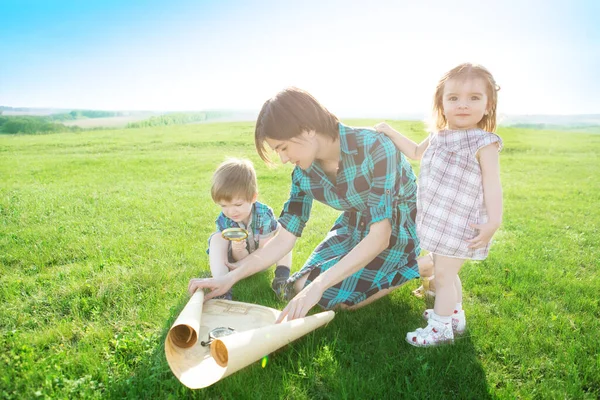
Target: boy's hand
238,245
486,232
217,286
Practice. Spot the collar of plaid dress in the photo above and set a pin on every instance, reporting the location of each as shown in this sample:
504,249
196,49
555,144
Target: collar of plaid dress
348,140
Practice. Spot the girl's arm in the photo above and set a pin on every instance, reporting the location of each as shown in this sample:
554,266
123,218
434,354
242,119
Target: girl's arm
376,241
409,148
492,195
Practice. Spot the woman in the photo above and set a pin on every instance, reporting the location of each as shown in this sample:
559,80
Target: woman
372,247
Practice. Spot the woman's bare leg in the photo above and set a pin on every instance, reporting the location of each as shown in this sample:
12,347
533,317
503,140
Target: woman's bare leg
425,265
426,270
299,284
376,296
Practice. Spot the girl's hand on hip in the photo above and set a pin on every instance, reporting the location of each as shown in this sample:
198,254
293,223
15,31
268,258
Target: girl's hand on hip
217,286
486,231
300,305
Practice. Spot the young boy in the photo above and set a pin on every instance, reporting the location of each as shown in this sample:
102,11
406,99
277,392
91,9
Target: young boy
235,190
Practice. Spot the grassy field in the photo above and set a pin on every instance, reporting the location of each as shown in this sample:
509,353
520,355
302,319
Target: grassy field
100,232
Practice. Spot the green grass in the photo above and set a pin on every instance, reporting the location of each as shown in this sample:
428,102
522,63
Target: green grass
101,231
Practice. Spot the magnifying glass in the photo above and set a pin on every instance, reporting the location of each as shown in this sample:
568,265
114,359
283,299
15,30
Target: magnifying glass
235,234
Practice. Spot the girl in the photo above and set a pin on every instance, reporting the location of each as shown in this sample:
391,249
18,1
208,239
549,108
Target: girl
459,200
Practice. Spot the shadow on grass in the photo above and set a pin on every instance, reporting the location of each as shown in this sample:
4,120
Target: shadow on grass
359,355
363,354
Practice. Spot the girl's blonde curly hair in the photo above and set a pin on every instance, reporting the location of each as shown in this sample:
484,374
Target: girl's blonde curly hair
464,72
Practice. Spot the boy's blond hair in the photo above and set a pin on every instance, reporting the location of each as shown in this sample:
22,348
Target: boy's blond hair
463,72
234,178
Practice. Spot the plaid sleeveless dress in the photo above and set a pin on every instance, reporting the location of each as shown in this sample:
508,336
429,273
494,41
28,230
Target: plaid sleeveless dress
450,193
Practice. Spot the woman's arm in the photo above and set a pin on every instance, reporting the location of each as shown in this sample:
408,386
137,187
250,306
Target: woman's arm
376,241
277,247
492,195
261,259
411,149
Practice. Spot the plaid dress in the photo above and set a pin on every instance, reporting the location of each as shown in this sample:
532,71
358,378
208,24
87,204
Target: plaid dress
374,182
451,192
262,225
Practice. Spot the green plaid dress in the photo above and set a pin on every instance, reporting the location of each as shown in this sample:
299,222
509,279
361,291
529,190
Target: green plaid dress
374,182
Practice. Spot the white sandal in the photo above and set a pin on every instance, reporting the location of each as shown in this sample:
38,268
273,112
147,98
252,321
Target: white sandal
434,334
459,320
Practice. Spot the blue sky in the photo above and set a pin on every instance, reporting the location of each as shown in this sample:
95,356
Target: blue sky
359,58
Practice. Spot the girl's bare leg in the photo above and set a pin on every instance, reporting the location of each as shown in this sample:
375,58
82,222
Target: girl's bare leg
458,287
446,274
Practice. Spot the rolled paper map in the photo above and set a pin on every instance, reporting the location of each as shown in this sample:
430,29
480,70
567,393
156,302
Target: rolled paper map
254,336
239,350
184,332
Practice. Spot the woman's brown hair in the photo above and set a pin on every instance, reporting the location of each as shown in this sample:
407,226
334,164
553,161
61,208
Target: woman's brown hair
288,114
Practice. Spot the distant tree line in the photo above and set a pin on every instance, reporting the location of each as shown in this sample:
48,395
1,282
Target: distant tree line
177,119
21,109
32,124
79,114
541,126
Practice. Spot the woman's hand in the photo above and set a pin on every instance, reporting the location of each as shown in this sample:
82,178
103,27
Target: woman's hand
217,286
486,232
300,305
